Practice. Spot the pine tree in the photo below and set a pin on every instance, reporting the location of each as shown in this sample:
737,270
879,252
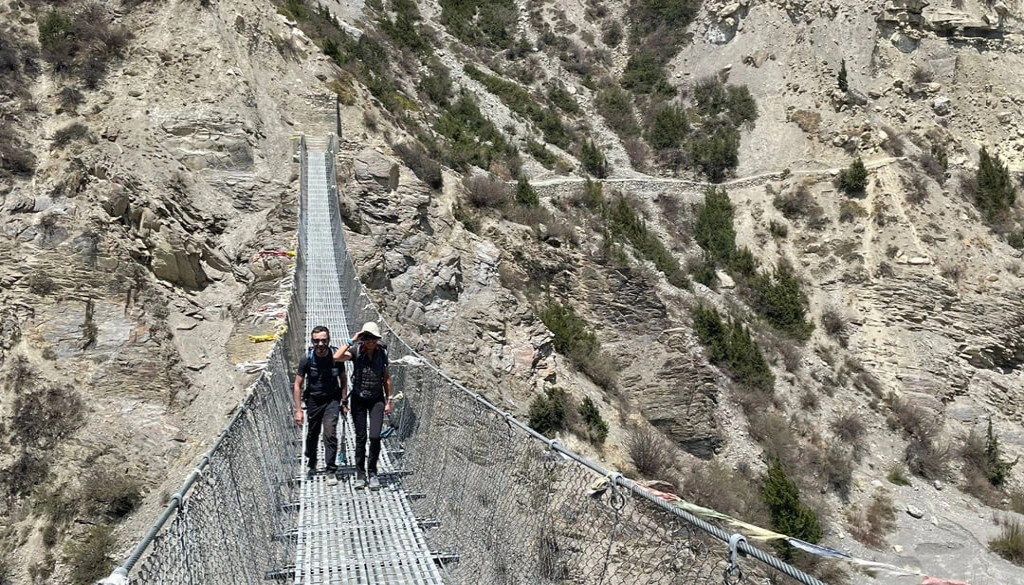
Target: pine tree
998,469
778,297
843,84
995,189
526,195
713,229
593,160
855,178
789,516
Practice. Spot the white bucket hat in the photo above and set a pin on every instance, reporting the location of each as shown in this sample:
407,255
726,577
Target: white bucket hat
370,328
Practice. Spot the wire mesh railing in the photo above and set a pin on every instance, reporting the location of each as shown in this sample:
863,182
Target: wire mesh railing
225,525
500,503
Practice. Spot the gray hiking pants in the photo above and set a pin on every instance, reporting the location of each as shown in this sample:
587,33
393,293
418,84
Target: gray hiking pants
322,415
364,411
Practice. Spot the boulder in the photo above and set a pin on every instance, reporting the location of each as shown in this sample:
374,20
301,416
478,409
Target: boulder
724,280
176,259
21,205
115,202
370,165
940,105
904,43
216,259
950,22
728,10
720,33
856,97
756,59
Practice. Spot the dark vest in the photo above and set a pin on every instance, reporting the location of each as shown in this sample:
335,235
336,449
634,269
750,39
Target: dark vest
323,377
367,373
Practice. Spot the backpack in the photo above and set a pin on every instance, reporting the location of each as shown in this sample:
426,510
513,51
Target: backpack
311,360
309,356
356,386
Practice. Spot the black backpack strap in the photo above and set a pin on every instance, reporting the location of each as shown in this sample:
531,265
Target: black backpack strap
309,362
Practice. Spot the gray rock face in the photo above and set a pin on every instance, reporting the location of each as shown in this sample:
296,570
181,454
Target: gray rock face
115,201
425,283
757,58
856,97
21,205
679,398
176,259
370,165
213,142
904,42
956,22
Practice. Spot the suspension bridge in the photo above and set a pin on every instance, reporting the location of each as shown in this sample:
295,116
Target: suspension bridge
470,494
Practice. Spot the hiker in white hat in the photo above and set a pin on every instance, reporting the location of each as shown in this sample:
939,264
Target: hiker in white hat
371,397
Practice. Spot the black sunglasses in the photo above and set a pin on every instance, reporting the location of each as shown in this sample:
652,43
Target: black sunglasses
321,341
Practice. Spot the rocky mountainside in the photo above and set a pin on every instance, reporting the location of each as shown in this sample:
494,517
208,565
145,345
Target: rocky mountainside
526,187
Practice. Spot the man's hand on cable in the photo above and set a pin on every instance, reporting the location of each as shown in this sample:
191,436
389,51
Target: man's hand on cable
298,416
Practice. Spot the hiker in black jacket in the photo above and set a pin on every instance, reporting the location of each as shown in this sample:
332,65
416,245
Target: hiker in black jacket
325,389
371,397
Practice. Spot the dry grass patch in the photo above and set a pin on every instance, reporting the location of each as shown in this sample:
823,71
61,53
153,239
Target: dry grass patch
914,420
850,211
90,557
809,401
928,458
836,465
419,162
647,450
729,491
952,271
871,524
772,431
898,474
485,191
849,427
916,188
1010,542
798,203
15,157
834,324
926,454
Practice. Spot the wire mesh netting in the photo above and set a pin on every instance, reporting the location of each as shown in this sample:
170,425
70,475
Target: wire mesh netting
227,530
497,503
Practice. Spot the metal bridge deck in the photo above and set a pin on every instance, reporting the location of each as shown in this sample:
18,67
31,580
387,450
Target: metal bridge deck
344,535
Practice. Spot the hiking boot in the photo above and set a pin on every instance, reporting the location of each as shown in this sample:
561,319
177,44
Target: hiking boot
360,482
374,482
332,477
